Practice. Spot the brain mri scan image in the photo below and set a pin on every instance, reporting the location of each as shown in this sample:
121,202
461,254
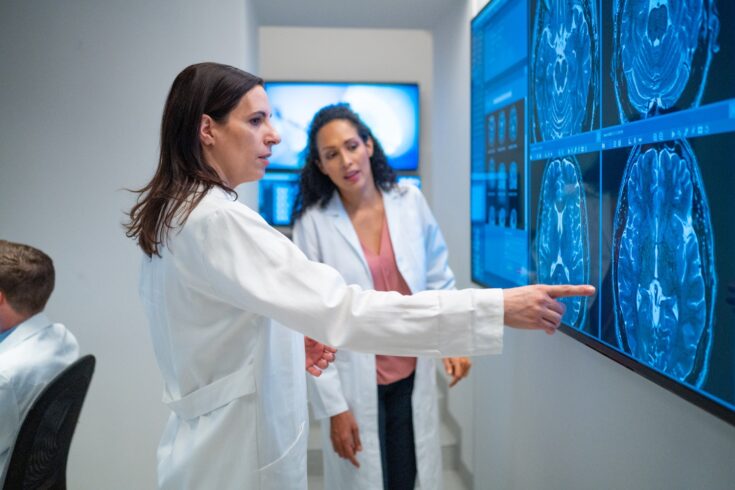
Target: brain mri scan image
513,176
501,128
562,249
491,131
502,179
513,124
661,54
491,175
664,279
564,68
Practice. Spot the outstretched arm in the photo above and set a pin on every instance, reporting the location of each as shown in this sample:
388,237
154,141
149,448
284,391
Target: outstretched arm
534,307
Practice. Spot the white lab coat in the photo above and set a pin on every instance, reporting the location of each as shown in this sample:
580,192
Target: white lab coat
30,357
327,235
234,378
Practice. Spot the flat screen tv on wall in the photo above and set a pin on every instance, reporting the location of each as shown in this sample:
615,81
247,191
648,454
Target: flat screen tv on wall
603,152
391,110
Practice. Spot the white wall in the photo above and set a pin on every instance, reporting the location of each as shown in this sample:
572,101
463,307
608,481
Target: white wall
82,89
551,413
450,199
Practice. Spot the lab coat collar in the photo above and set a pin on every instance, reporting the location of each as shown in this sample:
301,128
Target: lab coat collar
23,330
401,246
217,191
342,222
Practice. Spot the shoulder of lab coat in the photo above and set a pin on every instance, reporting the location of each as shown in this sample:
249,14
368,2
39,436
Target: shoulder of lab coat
304,235
9,422
34,353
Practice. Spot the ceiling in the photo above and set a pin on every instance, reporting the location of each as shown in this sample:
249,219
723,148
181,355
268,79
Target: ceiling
376,14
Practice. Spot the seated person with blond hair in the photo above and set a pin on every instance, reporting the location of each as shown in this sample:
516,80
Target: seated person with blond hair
32,349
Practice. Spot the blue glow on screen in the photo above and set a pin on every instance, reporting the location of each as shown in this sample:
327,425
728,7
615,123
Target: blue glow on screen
277,193
390,110
624,119
498,114
410,179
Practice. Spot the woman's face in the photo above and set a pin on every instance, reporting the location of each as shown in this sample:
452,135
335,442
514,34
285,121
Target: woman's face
344,157
239,147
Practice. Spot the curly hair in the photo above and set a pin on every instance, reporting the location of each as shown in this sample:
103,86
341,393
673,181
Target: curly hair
315,188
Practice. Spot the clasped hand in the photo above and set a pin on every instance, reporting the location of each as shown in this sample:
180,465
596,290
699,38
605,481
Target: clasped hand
318,356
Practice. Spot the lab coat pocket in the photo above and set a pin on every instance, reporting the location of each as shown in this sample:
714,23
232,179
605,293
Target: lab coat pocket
288,470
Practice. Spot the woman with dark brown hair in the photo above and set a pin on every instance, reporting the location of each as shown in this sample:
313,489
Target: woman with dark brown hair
219,286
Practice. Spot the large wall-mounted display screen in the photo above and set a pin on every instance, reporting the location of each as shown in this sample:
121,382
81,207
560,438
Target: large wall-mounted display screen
624,174
391,110
499,92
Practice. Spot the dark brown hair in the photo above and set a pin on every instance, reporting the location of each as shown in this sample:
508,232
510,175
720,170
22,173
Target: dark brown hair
26,277
183,177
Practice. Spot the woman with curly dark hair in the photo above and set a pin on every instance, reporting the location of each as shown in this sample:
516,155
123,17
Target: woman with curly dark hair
315,187
353,215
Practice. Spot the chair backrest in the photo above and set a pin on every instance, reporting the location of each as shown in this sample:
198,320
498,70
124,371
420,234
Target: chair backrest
42,446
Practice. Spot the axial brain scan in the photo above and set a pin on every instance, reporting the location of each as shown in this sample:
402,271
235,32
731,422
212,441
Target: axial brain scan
491,131
662,52
562,241
513,124
501,128
564,80
663,268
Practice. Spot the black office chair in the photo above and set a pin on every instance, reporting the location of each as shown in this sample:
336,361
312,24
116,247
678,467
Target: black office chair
42,445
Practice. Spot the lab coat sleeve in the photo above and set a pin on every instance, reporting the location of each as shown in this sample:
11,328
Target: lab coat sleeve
325,392
438,273
252,266
9,421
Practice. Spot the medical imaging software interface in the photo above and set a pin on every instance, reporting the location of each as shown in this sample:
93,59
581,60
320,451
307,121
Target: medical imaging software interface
603,152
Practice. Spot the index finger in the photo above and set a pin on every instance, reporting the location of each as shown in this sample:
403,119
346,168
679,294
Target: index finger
564,290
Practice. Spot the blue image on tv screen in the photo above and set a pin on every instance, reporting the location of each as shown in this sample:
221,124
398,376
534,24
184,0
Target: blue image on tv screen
277,195
498,147
614,122
391,110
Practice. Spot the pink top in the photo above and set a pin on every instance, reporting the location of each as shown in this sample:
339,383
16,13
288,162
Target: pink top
387,277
